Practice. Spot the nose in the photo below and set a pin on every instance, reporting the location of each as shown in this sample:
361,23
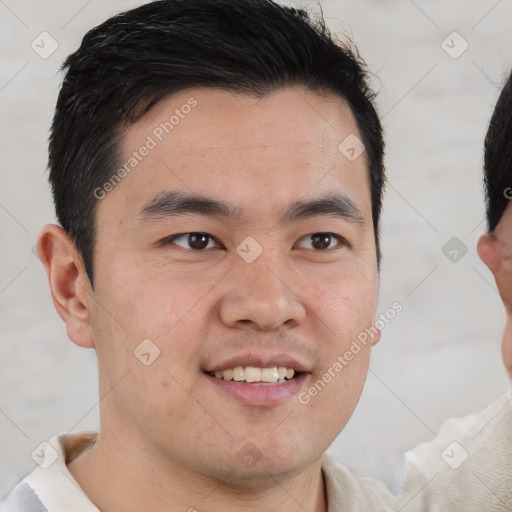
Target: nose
261,297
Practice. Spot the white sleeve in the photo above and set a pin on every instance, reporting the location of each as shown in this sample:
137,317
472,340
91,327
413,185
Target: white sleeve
468,466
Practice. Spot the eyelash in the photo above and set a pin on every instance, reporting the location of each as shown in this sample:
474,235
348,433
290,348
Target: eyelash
341,241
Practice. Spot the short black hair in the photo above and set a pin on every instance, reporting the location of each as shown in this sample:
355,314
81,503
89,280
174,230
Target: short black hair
130,62
498,157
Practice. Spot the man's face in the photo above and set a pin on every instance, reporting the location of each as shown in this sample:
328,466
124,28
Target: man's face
214,302
503,235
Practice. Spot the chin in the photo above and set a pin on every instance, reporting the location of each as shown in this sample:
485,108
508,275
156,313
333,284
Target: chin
252,469
263,475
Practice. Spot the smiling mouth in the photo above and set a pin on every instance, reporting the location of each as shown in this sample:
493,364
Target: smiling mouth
257,376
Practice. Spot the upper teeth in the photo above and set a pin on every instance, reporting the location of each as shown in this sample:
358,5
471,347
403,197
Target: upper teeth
253,374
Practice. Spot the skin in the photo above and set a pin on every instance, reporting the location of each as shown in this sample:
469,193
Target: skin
495,250
169,438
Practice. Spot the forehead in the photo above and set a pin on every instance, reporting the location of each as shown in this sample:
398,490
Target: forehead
258,151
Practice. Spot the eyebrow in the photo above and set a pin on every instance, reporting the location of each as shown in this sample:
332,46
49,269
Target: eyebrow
173,203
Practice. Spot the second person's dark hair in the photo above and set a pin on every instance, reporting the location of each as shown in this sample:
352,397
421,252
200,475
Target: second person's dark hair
498,157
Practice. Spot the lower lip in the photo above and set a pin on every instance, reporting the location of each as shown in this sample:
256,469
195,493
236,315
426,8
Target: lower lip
260,395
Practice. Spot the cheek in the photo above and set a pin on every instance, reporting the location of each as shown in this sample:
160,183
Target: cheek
346,310
151,305
346,304
333,395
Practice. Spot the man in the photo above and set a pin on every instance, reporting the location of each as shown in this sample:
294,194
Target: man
495,247
217,169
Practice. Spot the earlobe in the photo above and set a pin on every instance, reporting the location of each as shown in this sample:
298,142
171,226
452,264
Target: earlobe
69,285
489,251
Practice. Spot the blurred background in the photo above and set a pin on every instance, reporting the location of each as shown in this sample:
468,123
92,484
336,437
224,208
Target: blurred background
439,66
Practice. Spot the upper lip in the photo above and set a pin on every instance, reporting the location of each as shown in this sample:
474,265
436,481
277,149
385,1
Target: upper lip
259,361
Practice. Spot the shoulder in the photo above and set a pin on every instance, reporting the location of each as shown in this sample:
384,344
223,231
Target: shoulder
22,498
50,487
468,464
347,490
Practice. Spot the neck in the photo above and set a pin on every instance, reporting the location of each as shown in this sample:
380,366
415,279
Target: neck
122,475
506,345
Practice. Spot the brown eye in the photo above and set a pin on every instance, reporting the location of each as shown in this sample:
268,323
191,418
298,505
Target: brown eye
194,241
321,241
198,241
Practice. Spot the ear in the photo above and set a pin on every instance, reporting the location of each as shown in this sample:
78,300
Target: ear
376,338
69,284
488,248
